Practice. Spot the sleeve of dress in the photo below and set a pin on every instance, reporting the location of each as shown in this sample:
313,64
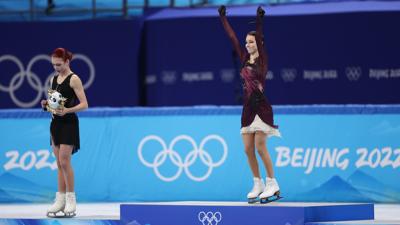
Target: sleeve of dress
233,37
260,46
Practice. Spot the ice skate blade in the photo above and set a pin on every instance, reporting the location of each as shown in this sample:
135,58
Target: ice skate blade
252,200
70,215
55,215
61,215
270,199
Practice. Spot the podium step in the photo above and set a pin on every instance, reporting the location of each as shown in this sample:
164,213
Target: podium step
233,213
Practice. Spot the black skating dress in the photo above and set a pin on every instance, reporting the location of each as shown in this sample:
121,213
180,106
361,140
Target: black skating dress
65,129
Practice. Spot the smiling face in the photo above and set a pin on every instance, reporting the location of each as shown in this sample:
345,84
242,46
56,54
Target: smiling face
251,45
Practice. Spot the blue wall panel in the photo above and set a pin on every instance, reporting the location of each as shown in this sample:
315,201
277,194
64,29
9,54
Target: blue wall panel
317,55
105,52
199,156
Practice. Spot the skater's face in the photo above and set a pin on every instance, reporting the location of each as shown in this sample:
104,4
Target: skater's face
59,64
251,45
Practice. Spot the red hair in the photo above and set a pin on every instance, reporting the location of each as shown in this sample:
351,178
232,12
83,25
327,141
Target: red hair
62,53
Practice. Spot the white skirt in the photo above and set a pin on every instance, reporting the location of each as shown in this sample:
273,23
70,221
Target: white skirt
259,125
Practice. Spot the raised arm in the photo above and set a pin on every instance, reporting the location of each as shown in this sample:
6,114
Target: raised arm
231,33
260,39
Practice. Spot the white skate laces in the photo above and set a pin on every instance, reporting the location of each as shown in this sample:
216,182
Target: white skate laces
271,190
258,188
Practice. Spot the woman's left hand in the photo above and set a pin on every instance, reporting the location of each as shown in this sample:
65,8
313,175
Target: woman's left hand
260,11
222,10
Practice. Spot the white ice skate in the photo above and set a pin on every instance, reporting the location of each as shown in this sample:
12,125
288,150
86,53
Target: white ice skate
70,204
271,192
258,188
56,210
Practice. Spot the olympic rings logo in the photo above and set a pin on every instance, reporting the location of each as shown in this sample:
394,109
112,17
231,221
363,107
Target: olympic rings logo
209,218
176,159
353,73
34,80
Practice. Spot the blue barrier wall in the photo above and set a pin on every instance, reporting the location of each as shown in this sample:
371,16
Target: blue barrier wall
105,57
327,153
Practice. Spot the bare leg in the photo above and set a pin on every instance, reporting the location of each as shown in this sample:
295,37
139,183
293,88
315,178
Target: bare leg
60,175
65,165
260,143
59,202
248,140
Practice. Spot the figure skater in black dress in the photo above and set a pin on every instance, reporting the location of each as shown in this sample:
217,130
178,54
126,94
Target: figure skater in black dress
64,130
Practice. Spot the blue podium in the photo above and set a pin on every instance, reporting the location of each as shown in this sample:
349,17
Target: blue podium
241,213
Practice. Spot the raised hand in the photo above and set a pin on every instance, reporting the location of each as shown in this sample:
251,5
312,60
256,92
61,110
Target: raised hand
260,11
222,10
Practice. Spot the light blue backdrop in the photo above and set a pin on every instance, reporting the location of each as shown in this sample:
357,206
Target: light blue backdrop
159,155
